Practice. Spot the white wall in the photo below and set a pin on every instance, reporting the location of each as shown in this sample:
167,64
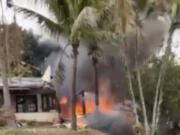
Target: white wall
38,116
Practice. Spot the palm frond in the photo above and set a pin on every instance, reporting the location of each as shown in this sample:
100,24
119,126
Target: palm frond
53,27
94,50
61,9
87,19
106,16
125,15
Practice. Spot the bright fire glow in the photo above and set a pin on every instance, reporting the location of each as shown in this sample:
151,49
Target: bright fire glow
107,104
104,106
63,100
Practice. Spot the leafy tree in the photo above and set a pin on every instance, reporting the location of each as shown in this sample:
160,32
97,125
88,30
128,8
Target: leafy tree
34,54
149,7
170,88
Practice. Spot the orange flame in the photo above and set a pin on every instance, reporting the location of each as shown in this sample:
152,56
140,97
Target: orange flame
89,108
63,101
104,105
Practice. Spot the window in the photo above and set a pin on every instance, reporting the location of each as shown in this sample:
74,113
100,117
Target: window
1,100
26,103
48,102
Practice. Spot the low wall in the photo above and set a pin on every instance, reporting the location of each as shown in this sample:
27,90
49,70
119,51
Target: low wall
37,116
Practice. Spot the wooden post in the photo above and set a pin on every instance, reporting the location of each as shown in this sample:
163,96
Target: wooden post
39,103
83,102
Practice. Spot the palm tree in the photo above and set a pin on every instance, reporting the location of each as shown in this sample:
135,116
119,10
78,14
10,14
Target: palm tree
126,27
95,52
10,54
71,17
4,71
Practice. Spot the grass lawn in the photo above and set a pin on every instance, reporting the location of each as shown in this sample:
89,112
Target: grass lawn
48,131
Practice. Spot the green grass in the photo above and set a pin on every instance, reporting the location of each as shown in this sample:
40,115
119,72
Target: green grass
48,131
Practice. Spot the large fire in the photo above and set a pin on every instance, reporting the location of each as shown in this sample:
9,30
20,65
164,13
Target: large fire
104,106
90,107
86,105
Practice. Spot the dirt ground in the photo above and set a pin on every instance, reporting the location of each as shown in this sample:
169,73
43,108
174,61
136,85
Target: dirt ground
48,131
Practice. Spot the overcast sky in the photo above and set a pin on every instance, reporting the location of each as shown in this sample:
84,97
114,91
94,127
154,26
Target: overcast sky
27,23
31,24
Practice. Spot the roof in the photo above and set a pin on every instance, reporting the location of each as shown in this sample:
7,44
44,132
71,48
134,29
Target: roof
25,82
47,75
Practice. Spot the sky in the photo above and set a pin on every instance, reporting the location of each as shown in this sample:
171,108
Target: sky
27,23
176,44
31,24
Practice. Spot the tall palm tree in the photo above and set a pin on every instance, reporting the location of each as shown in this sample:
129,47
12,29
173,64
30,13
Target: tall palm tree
95,52
10,53
71,17
4,70
125,27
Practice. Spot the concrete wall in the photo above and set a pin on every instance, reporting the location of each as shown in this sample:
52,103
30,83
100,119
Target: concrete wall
38,116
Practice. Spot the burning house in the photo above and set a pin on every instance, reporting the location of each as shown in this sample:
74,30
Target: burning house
114,115
109,117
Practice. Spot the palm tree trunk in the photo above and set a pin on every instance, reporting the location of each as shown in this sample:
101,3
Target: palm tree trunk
132,96
165,61
83,103
6,94
7,97
94,59
138,75
159,108
156,112
4,69
73,100
130,85
142,102
154,116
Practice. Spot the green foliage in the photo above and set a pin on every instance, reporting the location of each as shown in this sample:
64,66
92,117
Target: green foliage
12,46
25,53
95,50
171,85
34,55
65,12
49,25
24,71
141,4
15,43
171,104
